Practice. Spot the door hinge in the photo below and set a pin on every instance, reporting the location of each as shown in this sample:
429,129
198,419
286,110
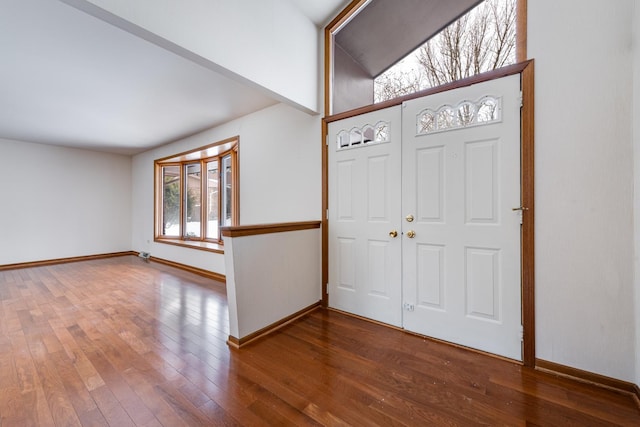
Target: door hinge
326,214
326,140
327,288
521,333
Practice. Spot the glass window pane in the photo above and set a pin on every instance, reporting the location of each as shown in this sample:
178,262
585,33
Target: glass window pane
481,40
226,195
212,200
192,200
171,201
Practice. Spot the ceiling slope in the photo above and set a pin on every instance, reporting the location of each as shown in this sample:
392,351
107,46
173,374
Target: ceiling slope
385,31
68,78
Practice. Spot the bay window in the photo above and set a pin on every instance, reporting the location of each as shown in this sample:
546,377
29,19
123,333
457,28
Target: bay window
196,194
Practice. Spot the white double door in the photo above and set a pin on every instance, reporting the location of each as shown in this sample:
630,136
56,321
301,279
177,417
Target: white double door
443,172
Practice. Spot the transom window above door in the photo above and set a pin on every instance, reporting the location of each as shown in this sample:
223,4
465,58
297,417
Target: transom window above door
372,60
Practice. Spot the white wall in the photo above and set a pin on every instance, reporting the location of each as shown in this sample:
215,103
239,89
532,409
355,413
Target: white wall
263,43
585,313
352,85
280,177
263,290
62,202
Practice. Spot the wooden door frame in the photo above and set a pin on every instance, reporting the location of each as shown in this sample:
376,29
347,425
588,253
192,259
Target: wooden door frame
526,71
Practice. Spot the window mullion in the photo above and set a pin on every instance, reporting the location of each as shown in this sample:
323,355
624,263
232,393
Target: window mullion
220,191
235,195
204,202
181,228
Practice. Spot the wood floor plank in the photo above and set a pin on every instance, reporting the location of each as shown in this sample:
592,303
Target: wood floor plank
58,400
161,409
218,416
76,389
119,342
332,389
111,408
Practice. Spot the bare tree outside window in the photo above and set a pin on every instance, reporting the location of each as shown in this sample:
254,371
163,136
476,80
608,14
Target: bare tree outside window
482,40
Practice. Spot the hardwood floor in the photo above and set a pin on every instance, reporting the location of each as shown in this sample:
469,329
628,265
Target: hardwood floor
121,342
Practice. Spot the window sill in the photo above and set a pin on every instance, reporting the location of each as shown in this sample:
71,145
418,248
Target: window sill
193,244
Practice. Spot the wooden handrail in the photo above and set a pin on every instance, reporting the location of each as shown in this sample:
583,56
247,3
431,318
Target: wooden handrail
257,229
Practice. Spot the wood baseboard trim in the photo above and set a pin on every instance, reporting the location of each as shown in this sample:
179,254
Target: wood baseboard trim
233,342
47,262
205,273
238,343
598,380
199,271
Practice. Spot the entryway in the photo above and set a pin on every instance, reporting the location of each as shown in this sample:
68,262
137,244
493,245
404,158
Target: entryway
425,216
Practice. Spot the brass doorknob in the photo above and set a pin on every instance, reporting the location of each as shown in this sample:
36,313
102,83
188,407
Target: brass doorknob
411,234
409,218
393,233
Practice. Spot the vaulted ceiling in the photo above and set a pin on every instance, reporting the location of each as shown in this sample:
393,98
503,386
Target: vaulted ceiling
384,31
69,78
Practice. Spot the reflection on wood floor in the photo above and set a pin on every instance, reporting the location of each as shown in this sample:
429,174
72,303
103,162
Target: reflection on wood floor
121,342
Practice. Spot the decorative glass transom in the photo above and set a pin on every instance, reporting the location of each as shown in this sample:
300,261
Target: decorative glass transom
366,135
466,114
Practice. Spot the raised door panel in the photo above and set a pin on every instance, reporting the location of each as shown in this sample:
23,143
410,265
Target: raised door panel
481,181
482,283
430,184
430,277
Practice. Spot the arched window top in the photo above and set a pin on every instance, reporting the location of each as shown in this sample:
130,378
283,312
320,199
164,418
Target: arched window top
466,113
361,136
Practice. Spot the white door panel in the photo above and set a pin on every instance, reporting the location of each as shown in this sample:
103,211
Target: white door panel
364,207
461,271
